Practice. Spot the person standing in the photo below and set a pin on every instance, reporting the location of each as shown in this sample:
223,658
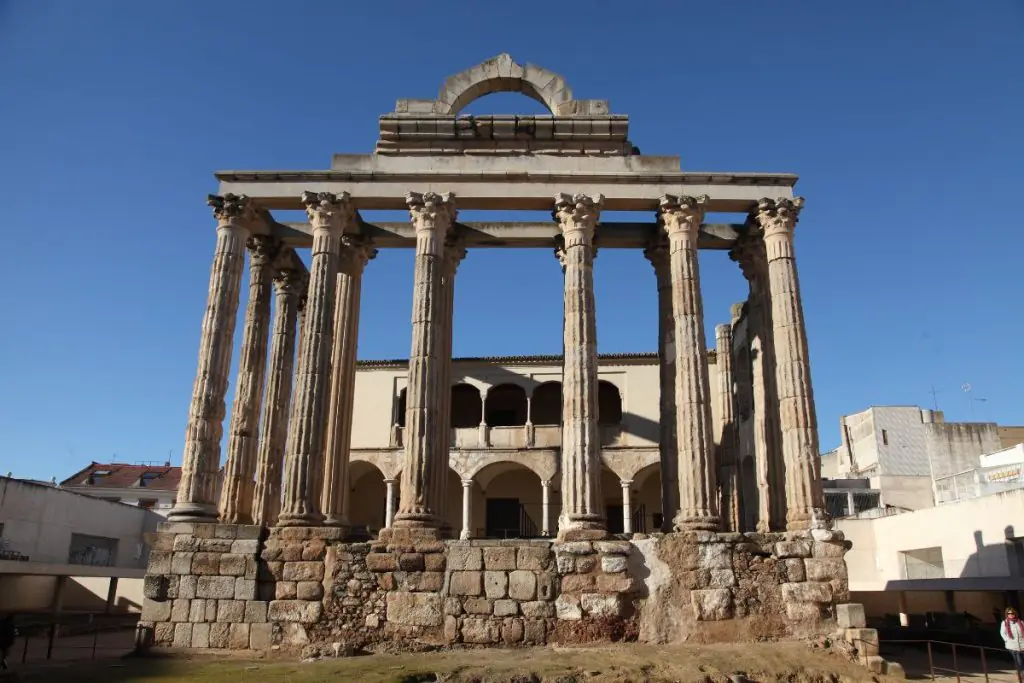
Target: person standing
7,635
1012,631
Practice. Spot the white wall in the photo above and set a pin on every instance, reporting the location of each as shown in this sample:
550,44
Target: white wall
971,534
38,521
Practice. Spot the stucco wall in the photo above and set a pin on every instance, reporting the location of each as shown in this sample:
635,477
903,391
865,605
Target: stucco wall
39,522
957,447
971,534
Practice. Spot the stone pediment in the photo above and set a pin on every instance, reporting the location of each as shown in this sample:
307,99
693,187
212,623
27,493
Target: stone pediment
434,127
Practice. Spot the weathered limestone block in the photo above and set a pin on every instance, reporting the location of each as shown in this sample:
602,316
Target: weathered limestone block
452,607
159,562
180,610
230,611
614,547
478,606
187,586
163,633
547,585
830,549
864,639
613,564
309,590
182,635
533,559
465,557
381,562
303,571
617,583
298,611
785,549
434,562
565,563
186,544
245,589
215,545
200,636
206,564
714,556
586,563
246,547
411,562
534,631
159,542
495,583
480,631
578,583
506,608
153,610
795,570
413,609
232,565
574,548
155,588
466,583
285,590
808,591
712,604
567,607
219,635
256,611
522,585
197,610
808,613
181,563
261,636
721,578
537,609
451,629
848,615
238,636
825,569
602,605
512,631
499,558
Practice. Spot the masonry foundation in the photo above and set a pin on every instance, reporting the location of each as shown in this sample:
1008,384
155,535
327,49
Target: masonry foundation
308,591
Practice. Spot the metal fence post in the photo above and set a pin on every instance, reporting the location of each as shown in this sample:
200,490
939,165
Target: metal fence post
984,662
931,661
956,667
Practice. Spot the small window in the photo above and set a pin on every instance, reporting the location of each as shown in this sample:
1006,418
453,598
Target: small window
148,478
885,437
147,504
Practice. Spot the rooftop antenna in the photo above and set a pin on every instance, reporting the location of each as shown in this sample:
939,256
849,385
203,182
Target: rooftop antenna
935,400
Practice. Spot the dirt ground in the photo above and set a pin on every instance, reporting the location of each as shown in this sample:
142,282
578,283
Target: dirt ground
790,662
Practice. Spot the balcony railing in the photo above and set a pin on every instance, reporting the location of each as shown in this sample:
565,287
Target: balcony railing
518,436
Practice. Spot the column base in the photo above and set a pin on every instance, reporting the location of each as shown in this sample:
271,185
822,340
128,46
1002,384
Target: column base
292,520
337,520
805,520
407,536
204,513
415,520
582,527
696,523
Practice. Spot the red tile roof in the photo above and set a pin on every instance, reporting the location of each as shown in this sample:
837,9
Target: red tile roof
120,475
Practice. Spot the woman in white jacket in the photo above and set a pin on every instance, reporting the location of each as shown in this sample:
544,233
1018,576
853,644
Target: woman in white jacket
1012,631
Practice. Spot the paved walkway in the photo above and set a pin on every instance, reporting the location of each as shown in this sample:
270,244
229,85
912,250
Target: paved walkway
968,662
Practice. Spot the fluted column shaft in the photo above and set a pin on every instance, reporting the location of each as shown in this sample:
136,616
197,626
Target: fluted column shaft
467,509
805,507
658,254
197,492
237,490
582,503
329,215
355,252
681,218
725,454
432,216
289,284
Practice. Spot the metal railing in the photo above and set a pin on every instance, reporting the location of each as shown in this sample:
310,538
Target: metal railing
639,520
946,659
73,637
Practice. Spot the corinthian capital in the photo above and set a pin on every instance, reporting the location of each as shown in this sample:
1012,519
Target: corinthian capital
749,253
454,252
263,249
777,216
290,281
657,252
431,211
578,213
359,248
329,211
681,216
230,208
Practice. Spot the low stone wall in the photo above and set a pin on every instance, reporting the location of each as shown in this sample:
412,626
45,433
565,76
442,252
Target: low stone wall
308,590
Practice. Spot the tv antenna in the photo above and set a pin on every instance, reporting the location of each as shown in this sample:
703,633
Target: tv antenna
935,399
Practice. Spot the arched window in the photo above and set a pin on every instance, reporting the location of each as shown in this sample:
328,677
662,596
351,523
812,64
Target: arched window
506,406
466,406
609,404
546,405
399,418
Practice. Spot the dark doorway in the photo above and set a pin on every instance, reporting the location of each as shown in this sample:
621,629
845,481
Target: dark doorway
613,515
502,518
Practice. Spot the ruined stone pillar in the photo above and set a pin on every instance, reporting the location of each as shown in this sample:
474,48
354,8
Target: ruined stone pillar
467,508
582,503
771,515
433,216
805,504
726,453
329,215
657,252
289,286
454,252
356,251
197,492
545,508
627,507
681,218
389,503
237,490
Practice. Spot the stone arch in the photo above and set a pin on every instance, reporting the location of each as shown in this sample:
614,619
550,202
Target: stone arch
507,501
503,74
546,404
467,406
505,406
542,463
609,403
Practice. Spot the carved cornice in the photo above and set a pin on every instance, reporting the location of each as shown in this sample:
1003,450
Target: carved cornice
431,211
778,216
231,208
263,249
578,213
681,216
329,211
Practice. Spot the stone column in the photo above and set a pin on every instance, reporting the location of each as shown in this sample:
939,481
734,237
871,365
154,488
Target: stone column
197,492
681,218
467,508
356,250
454,252
237,490
545,508
289,285
726,453
657,252
582,502
805,505
329,215
433,216
389,509
627,508
750,254
483,433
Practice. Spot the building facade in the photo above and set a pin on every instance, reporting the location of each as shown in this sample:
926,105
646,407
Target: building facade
152,487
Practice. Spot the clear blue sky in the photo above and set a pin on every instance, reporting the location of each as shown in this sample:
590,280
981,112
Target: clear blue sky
903,119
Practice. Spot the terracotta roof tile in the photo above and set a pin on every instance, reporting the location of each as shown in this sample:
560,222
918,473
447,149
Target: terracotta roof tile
524,360
120,475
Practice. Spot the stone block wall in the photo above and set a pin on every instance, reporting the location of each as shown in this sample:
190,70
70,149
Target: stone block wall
307,590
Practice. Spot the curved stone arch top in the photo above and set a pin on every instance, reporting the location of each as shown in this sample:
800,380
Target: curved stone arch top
543,463
504,74
626,463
